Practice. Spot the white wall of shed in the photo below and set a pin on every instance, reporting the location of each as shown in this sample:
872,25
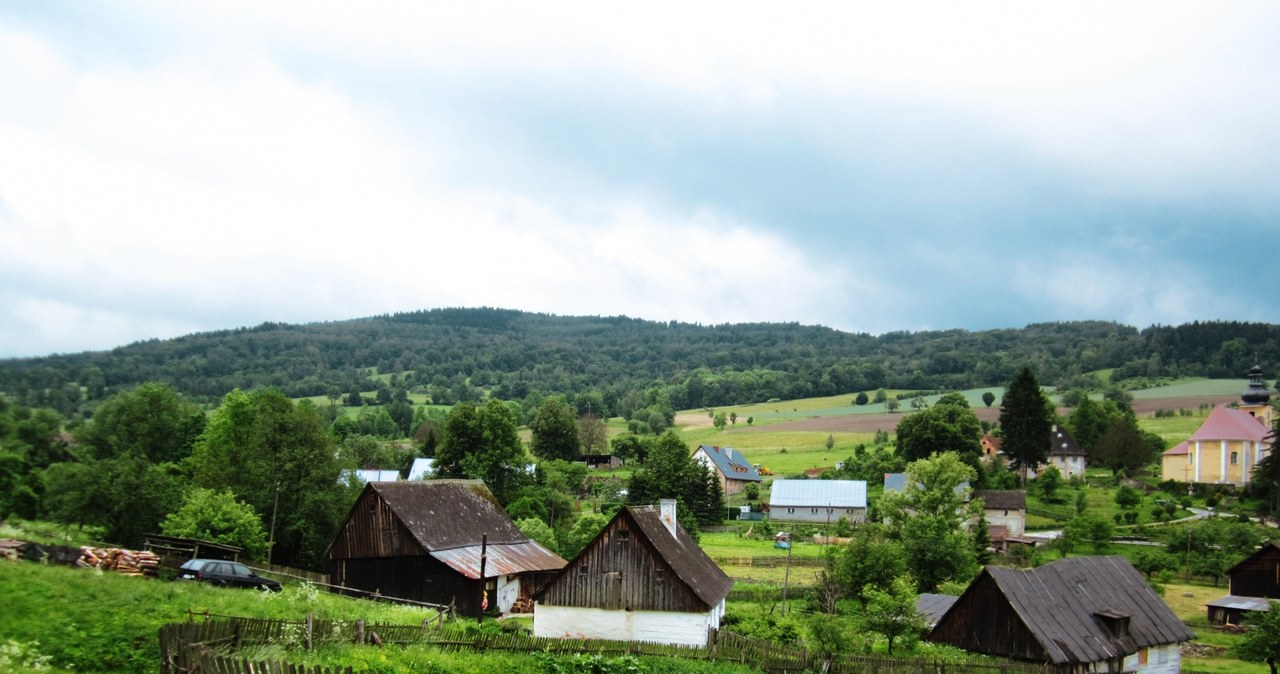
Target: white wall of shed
508,592
568,622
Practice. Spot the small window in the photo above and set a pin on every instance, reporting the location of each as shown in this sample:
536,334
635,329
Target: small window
622,535
791,510
813,511
583,569
1235,458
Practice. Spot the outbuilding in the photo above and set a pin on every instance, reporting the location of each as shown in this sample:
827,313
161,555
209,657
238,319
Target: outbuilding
818,501
437,541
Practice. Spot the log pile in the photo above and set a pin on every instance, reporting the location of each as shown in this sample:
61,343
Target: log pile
127,562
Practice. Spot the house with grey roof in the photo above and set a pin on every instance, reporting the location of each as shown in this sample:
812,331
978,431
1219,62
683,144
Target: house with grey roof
729,465
1005,511
641,579
818,501
1079,614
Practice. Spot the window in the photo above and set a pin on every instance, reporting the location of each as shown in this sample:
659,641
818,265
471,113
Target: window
813,511
1235,458
622,535
791,510
583,569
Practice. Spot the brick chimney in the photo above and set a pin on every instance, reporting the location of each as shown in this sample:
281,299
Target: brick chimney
667,510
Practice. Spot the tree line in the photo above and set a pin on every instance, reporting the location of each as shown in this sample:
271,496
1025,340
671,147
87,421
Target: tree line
466,355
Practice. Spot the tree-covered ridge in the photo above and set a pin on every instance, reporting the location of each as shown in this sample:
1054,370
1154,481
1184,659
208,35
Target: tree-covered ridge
455,353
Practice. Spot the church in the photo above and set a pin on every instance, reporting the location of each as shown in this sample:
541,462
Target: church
1228,444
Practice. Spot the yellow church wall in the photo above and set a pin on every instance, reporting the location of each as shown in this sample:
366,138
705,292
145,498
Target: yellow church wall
1209,457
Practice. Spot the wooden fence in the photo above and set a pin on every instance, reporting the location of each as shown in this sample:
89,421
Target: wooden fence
769,562
208,647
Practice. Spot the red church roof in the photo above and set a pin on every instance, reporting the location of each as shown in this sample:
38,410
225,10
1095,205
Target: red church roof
1225,423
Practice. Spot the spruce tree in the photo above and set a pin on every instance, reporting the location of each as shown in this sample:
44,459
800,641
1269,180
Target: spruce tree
1026,423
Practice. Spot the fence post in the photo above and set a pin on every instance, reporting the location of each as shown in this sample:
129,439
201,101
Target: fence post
360,631
311,623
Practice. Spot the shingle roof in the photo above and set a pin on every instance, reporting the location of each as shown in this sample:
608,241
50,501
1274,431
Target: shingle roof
934,606
443,514
818,493
731,462
1183,447
1060,604
1225,423
1002,499
687,561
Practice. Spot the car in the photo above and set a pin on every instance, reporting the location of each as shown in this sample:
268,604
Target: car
221,572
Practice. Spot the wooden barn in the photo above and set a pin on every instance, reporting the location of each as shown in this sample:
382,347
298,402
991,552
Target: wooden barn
1079,614
641,579
1254,582
423,540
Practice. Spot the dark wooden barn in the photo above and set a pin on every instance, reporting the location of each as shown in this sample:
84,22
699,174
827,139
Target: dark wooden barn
641,579
1254,581
422,540
1080,614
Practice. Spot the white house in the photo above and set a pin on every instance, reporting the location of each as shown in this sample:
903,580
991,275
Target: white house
819,501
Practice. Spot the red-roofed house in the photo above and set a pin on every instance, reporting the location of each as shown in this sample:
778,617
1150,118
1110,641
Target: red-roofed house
1228,444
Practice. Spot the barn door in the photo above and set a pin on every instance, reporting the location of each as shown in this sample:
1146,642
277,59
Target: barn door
613,590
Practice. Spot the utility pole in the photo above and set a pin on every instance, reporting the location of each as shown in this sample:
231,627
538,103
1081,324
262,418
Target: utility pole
484,555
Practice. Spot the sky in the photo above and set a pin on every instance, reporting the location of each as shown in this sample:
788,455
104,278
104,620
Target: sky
176,167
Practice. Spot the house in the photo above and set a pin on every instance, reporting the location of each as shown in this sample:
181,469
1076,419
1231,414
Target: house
990,446
437,541
602,461
1006,513
641,579
729,465
819,501
1079,614
1065,453
1228,444
1253,583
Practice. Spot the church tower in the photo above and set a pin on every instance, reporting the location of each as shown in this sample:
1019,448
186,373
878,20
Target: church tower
1256,400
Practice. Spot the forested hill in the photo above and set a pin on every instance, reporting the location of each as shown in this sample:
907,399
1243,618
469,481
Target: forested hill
456,353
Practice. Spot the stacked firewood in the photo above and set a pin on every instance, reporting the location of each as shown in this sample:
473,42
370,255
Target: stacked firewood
522,605
127,562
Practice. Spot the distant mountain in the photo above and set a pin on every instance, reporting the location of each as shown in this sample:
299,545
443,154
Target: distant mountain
456,353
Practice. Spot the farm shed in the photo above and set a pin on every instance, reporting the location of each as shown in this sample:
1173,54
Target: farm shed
1253,582
641,579
818,501
729,465
422,540
1080,614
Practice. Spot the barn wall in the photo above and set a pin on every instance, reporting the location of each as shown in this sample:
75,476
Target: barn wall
982,621
622,572
1165,659
559,622
816,515
372,530
1258,576
419,578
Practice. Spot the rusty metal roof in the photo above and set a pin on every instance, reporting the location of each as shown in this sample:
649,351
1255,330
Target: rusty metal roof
501,560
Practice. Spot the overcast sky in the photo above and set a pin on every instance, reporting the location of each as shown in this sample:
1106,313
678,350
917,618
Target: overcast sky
168,167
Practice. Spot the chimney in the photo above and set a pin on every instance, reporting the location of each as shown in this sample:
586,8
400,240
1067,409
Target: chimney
667,508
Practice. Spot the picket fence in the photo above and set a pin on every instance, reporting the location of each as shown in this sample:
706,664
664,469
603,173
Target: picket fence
209,647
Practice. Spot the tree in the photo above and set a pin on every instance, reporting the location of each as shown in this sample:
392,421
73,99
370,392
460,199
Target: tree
482,443
937,551
555,430
870,558
670,471
1026,421
891,612
892,405
719,421
218,517
1090,529
279,457
1266,473
936,486
829,637
948,426
988,398
733,418
1123,449
581,533
593,435
861,399
538,531
152,421
1128,497
1261,641
1049,481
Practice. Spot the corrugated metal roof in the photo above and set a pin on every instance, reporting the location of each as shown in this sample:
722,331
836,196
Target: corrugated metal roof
818,493
1237,602
731,462
1058,603
500,560
421,469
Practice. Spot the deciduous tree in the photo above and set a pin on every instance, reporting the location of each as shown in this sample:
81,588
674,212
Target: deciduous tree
555,430
217,516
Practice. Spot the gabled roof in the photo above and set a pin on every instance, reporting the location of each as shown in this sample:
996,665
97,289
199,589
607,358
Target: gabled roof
818,494
898,482
450,519
1225,423
1064,605
687,561
421,468
1061,444
730,462
1002,499
1179,449
934,606
1257,559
